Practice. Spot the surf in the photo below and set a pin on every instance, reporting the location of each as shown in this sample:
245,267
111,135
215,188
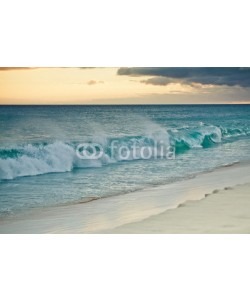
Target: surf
60,156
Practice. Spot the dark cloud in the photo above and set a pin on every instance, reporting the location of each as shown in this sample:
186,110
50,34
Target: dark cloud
215,76
159,80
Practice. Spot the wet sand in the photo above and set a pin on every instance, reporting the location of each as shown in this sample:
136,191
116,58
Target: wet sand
224,211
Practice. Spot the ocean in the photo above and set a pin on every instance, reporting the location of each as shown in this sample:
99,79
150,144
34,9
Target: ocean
48,158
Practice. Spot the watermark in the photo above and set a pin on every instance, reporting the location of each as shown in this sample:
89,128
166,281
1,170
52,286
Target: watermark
89,151
133,151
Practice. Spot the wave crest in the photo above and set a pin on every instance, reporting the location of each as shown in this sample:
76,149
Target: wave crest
203,137
36,159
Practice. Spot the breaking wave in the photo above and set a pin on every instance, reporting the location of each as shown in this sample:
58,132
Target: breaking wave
36,159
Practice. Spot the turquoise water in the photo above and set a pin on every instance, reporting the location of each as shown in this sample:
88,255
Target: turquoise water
39,166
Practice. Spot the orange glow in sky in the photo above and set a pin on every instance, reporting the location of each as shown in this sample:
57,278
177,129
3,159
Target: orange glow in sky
102,86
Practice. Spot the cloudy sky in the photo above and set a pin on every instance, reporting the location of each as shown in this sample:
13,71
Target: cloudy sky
124,85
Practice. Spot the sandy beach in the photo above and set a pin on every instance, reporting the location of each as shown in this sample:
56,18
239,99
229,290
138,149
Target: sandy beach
224,211
211,202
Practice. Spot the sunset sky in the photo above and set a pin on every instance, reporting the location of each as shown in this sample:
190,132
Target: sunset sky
124,85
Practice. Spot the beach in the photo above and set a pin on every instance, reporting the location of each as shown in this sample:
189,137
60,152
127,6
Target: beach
211,202
224,211
91,169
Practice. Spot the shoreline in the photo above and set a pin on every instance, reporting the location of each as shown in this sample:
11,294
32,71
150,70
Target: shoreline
110,213
224,211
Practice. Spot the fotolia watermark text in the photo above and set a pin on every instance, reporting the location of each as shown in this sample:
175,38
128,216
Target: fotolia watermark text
118,151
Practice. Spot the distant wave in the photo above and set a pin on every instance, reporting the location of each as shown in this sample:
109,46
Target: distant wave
59,156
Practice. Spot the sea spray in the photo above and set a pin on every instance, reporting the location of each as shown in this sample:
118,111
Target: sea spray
36,159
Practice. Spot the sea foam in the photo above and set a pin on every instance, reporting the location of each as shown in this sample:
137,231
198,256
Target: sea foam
60,156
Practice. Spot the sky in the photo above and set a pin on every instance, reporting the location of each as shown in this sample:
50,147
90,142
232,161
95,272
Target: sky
140,85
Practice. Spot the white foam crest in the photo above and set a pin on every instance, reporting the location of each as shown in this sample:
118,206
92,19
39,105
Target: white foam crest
56,157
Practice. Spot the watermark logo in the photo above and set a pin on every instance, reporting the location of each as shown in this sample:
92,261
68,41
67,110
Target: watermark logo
119,151
89,151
